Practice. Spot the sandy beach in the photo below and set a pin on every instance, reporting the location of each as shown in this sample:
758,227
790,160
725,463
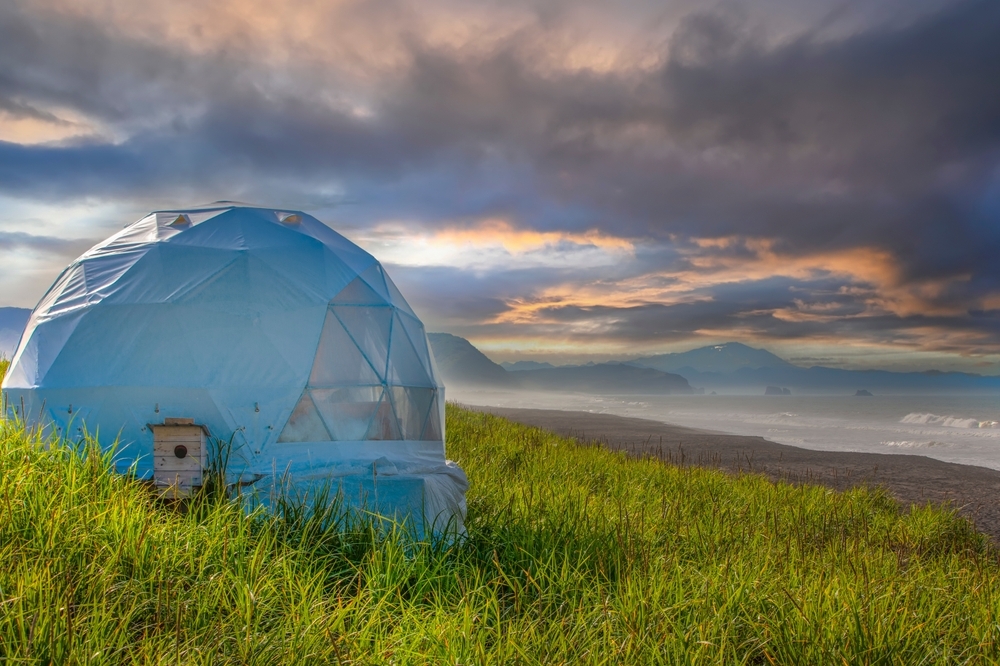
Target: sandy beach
974,491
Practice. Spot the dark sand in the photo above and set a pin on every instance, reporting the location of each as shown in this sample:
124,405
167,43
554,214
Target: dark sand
974,491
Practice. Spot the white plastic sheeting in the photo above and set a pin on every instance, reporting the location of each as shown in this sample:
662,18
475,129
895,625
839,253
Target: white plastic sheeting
264,325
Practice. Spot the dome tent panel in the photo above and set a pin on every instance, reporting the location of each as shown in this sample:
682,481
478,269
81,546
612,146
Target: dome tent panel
405,366
224,231
346,253
304,266
434,430
69,293
259,231
385,425
38,349
124,345
103,278
347,412
238,349
338,360
305,424
247,282
397,297
294,334
262,328
373,277
165,273
369,327
412,407
418,338
359,292
337,274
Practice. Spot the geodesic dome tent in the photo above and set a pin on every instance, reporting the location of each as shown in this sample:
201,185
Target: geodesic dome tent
260,326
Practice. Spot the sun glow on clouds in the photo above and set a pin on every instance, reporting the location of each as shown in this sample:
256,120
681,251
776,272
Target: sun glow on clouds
872,279
493,244
42,127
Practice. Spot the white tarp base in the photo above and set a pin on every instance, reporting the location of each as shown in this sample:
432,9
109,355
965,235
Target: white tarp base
421,499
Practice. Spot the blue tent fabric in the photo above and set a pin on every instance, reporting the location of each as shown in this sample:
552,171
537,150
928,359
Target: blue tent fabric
264,325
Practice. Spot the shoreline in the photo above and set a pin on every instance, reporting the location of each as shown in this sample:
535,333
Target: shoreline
911,479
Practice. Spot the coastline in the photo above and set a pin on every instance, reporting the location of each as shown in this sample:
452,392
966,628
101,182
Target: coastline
911,479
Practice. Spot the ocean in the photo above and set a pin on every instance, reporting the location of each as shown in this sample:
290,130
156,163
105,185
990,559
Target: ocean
955,428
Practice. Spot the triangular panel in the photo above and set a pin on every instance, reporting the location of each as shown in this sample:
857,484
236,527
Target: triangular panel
294,333
139,345
339,362
101,349
337,273
305,424
432,431
358,292
376,280
384,426
347,412
224,231
36,353
369,328
346,252
396,296
197,217
405,366
103,273
302,265
418,338
412,406
226,286
261,230
170,272
245,282
69,292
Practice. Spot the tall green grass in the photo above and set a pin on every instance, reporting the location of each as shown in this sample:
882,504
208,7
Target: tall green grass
574,555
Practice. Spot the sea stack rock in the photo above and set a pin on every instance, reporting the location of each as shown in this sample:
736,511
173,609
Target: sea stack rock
863,393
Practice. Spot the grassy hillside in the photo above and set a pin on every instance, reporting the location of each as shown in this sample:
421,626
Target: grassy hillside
574,555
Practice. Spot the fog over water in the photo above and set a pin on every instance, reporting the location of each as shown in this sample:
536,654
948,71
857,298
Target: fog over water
955,428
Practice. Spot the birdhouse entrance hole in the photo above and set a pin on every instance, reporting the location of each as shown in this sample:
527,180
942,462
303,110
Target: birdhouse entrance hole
179,455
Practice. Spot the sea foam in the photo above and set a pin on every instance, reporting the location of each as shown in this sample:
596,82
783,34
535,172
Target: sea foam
907,444
916,418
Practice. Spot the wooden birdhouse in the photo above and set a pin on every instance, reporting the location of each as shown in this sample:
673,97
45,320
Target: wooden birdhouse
180,455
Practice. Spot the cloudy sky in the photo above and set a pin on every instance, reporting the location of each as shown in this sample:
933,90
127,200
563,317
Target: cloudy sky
553,180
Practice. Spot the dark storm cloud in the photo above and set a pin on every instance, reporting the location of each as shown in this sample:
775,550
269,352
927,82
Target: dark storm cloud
886,138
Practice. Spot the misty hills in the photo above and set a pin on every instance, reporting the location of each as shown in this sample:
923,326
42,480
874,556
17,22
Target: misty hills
602,378
737,366
462,364
819,378
12,322
525,365
732,366
724,358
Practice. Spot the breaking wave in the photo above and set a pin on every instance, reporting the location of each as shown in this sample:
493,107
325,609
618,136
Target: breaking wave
906,444
916,418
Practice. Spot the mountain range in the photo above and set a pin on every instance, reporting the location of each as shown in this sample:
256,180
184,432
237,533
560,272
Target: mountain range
728,357
462,365
735,366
